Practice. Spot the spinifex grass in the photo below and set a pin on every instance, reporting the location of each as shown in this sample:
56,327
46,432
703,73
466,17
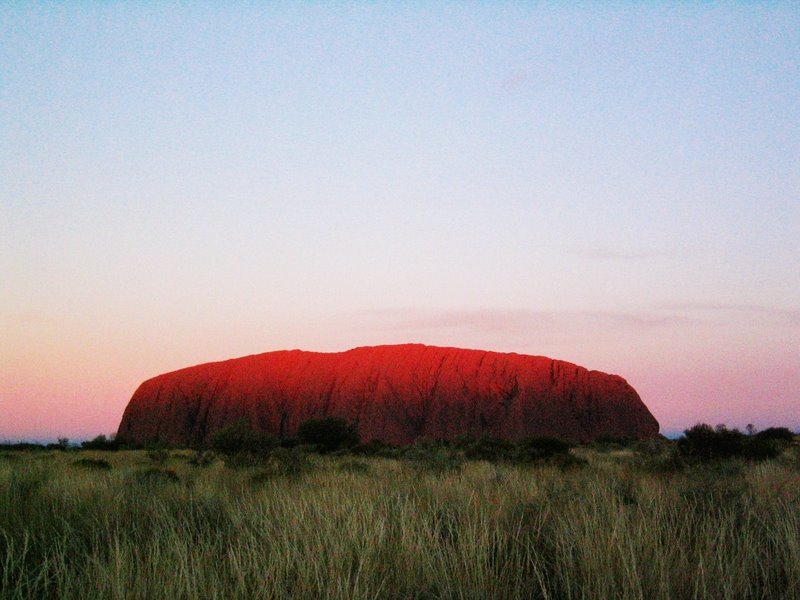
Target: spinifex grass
389,529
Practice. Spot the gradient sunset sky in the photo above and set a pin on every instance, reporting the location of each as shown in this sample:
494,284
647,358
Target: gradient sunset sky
616,185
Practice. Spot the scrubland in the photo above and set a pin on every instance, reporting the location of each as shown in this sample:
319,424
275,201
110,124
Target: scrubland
610,522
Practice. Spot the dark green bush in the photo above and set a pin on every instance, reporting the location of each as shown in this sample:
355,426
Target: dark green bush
240,437
100,442
490,449
329,433
522,451
704,443
781,434
768,444
541,448
758,448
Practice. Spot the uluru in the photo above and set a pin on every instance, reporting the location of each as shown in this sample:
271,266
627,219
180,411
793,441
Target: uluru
394,393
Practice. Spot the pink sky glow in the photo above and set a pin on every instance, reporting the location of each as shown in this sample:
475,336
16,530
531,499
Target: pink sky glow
612,185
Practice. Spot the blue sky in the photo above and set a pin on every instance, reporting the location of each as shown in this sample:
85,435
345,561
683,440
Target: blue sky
615,185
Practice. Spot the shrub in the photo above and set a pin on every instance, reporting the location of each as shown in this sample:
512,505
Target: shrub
490,449
781,434
704,443
525,450
329,433
541,448
100,442
758,448
239,437
241,446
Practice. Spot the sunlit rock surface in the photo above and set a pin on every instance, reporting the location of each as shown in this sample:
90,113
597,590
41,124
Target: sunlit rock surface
396,394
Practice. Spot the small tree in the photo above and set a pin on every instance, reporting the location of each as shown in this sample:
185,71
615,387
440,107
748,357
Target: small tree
329,433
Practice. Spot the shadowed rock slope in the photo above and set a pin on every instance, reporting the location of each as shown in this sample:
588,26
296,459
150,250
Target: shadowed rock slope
392,393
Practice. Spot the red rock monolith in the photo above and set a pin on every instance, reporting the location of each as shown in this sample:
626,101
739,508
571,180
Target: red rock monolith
396,394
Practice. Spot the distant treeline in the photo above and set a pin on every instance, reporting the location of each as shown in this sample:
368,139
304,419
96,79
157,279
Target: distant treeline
101,442
333,435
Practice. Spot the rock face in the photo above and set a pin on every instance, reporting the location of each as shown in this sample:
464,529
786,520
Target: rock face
392,393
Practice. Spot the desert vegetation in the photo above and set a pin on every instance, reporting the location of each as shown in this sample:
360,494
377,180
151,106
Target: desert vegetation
713,515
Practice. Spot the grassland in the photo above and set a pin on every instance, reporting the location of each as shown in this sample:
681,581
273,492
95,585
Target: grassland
625,524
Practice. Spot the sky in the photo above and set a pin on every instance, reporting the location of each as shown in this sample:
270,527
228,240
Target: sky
612,184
